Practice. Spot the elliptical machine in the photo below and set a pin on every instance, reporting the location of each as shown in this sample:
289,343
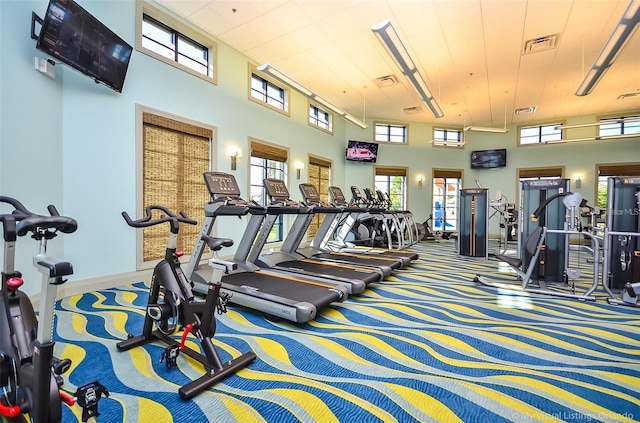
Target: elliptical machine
29,373
172,302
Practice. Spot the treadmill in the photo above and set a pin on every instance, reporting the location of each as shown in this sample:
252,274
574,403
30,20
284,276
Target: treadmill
311,198
354,277
352,213
292,297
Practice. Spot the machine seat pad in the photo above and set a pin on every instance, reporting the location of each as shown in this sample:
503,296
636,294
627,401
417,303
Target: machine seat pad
216,244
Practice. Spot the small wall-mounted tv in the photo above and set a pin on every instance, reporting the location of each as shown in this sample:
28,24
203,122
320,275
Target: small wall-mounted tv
488,159
360,151
72,35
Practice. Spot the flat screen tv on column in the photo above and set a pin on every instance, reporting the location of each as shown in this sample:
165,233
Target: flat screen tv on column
73,36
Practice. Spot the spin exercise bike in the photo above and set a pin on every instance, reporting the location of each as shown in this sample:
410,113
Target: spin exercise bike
30,378
172,302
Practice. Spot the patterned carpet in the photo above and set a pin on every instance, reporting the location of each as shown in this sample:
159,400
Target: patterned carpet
424,345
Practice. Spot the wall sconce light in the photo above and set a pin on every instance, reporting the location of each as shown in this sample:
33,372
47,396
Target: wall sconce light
234,153
578,178
299,167
420,180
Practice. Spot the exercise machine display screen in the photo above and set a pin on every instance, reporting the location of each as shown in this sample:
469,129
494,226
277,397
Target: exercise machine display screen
276,189
337,195
221,184
310,193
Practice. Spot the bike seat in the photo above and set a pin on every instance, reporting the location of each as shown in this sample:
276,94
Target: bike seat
216,244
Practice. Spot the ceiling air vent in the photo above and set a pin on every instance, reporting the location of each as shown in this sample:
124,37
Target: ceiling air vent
386,81
537,45
525,110
412,110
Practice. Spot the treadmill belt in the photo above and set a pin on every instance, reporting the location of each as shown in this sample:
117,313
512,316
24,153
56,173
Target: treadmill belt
328,271
362,260
264,285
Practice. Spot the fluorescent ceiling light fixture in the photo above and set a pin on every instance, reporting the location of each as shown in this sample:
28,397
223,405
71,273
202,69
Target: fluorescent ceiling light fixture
602,122
619,37
486,129
274,72
387,35
605,138
448,143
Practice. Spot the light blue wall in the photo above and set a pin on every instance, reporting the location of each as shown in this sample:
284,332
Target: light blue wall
31,126
72,142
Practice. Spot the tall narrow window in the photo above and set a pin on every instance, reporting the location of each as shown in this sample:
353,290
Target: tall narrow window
393,180
319,174
446,185
267,161
175,155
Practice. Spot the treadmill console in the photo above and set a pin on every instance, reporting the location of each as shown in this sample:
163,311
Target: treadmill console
310,194
337,197
369,194
221,185
276,189
355,192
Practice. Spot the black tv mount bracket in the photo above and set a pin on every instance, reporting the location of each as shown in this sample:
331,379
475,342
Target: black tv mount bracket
35,19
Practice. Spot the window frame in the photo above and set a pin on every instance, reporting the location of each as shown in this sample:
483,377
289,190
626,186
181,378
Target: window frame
444,143
253,71
189,32
449,202
389,125
315,178
635,125
540,135
330,116
268,157
601,183
140,110
387,173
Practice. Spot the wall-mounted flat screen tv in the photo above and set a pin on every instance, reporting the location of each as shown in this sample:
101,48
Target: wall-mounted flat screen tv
72,35
360,151
488,159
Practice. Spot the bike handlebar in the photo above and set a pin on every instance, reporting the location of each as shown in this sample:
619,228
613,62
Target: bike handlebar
21,220
147,221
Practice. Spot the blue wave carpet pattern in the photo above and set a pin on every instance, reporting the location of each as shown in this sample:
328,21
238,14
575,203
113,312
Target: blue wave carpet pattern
424,345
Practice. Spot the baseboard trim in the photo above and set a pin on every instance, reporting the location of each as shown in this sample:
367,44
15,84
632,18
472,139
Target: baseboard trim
75,287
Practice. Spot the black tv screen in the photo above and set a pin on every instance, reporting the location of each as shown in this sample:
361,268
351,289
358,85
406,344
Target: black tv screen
360,151
72,35
488,159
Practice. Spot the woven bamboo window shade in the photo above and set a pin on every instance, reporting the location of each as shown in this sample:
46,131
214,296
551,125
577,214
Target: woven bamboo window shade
319,174
175,155
543,172
447,173
391,171
268,152
627,169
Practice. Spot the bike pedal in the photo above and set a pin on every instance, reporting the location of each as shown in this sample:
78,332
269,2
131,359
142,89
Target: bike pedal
60,366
